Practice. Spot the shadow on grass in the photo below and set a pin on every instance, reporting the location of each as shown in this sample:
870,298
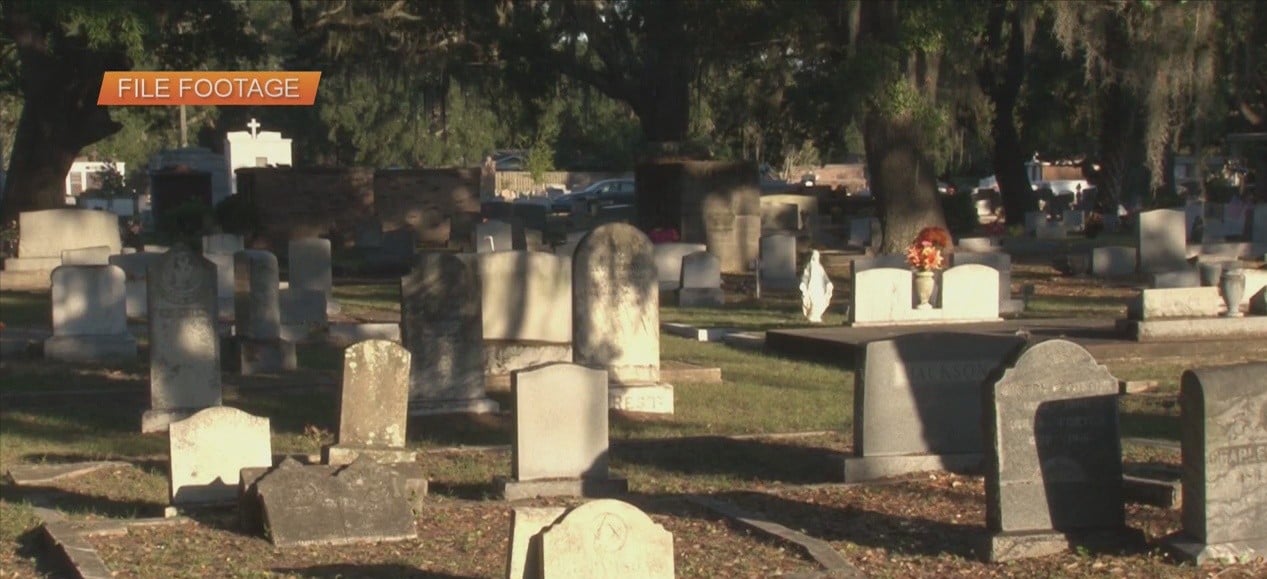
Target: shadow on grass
746,459
152,466
73,502
366,570
33,545
464,429
1146,425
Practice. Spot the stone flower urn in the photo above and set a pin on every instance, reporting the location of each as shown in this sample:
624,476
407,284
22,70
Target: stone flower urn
924,288
1232,286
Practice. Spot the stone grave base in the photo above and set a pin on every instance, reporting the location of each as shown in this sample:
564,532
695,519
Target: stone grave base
25,280
701,297
158,419
501,357
250,509
650,398
694,333
866,468
928,316
45,264
514,490
1190,549
266,356
339,454
90,348
465,406
1014,545
1219,328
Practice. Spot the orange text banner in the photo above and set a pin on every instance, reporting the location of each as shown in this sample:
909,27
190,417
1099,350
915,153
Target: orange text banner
166,88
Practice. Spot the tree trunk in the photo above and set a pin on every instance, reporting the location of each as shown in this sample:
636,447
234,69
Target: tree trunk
1001,72
664,99
60,83
902,180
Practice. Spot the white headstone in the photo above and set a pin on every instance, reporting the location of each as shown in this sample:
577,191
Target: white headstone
209,450
99,255
668,262
89,314
616,305
546,447
880,294
524,295
963,289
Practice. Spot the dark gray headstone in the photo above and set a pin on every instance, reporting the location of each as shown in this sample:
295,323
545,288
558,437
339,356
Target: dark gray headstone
1224,427
361,502
1054,464
442,327
917,402
184,343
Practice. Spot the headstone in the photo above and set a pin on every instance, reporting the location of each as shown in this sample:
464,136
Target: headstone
135,269
880,294
1162,241
977,245
778,261
226,285
89,315
315,505
1113,261
1189,302
962,289
1223,424
602,539
553,457
890,260
748,241
524,294
616,316
184,343
816,289
917,402
1002,263
1054,461
494,235
701,281
373,405
208,451
223,243
442,327
310,268
668,262
257,321
781,217
99,255
45,234
1176,279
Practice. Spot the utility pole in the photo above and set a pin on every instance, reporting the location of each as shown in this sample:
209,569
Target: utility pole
184,126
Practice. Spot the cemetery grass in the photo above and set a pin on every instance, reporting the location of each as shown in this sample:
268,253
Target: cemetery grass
24,308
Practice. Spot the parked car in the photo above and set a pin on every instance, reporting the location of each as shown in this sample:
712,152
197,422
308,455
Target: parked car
605,192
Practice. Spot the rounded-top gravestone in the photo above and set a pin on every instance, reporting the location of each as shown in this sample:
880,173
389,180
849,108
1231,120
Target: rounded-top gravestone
616,304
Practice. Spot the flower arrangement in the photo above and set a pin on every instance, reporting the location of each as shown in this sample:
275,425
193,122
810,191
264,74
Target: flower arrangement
925,253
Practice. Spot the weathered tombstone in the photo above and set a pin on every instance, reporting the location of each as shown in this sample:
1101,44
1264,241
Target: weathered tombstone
494,235
1223,421
616,316
373,404
778,261
442,327
553,457
668,262
1054,458
1183,278
1188,302
1161,241
227,243
46,233
89,315
1113,261
208,451
879,295
226,285
748,241
257,321
184,343
315,505
602,539
701,281
99,255
524,294
310,268
917,402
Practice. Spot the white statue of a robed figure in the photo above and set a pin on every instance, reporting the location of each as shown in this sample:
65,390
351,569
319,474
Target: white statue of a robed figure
815,289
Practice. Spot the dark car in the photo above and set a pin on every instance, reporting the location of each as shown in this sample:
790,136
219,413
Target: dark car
606,192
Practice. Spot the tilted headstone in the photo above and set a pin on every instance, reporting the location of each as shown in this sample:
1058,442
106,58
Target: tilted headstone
668,262
701,281
310,266
442,326
257,321
1162,241
1113,261
1054,460
553,457
209,450
184,343
494,235
1223,422
917,402
89,315
99,255
373,404
316,505
616,313
607,539
778,261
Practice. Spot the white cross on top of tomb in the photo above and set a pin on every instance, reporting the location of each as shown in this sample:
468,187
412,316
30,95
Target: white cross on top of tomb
253,125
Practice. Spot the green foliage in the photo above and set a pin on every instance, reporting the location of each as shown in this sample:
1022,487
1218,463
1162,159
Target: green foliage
186,223
545,142
237,214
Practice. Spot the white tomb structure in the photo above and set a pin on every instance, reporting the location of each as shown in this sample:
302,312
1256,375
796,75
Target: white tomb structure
254,148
